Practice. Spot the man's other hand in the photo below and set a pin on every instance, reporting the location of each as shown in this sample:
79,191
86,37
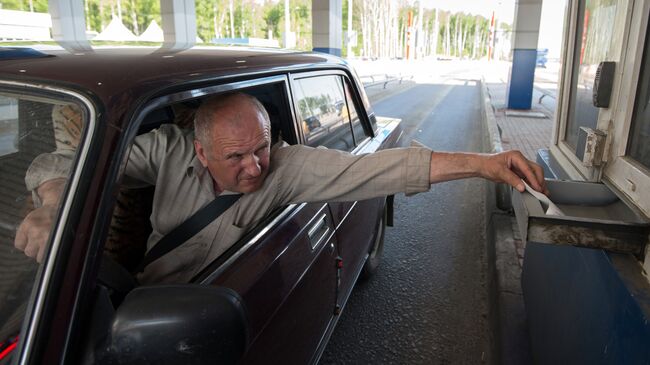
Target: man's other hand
34,231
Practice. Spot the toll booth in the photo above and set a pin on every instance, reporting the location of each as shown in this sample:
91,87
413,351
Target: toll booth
585,272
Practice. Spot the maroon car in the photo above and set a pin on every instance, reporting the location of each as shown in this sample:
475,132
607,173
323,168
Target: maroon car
273,296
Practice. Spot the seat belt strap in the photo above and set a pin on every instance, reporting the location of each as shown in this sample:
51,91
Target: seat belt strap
189,228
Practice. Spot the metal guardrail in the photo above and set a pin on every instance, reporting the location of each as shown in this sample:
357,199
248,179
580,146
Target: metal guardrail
544,94
383,79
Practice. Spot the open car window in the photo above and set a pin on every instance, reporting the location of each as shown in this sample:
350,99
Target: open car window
39,137
130,232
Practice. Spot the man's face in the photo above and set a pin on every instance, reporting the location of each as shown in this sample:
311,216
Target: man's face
237,154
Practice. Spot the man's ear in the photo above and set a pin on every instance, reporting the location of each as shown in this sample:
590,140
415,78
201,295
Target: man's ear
200,153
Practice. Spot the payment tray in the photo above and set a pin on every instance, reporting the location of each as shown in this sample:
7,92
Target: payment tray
593,216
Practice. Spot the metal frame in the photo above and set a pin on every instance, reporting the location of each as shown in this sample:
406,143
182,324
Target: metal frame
560,149
627,175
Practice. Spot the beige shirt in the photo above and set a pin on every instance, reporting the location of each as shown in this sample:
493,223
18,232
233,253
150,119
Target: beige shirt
165,158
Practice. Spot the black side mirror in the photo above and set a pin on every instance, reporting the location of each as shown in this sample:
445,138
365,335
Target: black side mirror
179,324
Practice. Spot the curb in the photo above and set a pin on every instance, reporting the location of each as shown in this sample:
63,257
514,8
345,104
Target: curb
506,310
492,137
491,144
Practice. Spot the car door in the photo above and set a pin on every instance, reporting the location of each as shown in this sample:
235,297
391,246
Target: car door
325,96
285,268
285,271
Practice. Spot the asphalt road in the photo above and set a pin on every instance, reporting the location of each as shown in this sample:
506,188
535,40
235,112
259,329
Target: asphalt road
427,304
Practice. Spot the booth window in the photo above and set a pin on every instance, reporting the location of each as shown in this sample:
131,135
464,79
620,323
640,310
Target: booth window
593,45
639,141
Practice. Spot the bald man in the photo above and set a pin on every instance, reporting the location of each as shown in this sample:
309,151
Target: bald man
230,152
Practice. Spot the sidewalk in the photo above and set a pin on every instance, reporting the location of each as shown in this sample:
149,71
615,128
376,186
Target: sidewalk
526,131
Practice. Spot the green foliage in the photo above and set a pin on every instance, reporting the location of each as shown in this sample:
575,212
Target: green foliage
253,18
272,18
39,6
206,10
101,12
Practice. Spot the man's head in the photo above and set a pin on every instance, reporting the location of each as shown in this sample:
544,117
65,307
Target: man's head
233,141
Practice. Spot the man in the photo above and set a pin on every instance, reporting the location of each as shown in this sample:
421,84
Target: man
230,152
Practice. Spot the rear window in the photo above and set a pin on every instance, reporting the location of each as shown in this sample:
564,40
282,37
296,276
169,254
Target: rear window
32,128
324,115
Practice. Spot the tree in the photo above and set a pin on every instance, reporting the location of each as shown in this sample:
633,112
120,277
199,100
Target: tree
272,19
38,6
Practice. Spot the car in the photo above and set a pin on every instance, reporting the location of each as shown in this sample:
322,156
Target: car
541,59
274,296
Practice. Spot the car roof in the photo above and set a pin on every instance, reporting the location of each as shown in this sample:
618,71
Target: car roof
133,72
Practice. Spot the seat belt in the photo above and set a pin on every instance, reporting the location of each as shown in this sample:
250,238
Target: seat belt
189,228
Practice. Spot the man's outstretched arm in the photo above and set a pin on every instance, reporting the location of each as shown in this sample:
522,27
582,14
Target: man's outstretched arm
508,167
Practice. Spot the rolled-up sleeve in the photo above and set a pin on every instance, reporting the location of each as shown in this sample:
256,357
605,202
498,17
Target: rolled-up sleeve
308,174
48,166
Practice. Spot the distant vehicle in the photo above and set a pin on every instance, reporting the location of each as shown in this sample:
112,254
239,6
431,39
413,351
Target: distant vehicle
541,57
274,296
312,122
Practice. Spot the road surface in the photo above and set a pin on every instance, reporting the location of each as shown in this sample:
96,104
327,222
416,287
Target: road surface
428,302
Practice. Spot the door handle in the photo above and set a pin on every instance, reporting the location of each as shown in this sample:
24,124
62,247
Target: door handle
318,231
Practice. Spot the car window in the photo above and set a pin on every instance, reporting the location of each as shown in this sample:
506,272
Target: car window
323,112
132,218
34,132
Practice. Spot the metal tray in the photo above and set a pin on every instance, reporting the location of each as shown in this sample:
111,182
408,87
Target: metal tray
595,217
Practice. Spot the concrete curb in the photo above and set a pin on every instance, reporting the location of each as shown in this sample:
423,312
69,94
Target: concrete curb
491,144
506,311
492,137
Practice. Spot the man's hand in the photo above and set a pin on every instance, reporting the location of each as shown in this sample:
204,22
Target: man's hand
511,167
508,167
34,231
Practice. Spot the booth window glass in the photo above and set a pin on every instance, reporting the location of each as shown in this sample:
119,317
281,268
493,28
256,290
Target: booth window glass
593,45
639,141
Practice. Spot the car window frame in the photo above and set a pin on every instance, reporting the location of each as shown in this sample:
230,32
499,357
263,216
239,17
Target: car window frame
368,132
73,195
221,263
293,76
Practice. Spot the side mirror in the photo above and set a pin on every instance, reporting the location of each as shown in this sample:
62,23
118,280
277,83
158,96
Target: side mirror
177,324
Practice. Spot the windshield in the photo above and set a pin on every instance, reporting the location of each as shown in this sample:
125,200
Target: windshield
38,140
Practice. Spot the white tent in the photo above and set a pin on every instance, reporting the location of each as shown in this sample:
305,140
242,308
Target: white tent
153,33
116,31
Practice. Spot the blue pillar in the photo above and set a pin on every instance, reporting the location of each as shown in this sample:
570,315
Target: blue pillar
524,55
327,26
